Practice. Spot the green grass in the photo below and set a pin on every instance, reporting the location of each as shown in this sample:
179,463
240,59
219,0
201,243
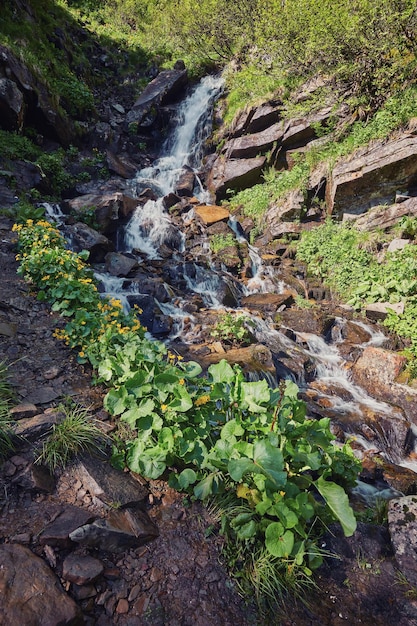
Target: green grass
220,242
77,433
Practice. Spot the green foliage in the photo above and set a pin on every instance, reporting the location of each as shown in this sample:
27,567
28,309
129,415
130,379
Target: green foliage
52,166
75,434
232,329
342,257
220,242
215,433
14,147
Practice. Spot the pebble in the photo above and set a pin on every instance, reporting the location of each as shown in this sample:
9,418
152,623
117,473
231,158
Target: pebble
122,606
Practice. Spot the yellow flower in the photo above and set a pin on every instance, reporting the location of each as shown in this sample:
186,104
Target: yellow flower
164,407
181,381
202,400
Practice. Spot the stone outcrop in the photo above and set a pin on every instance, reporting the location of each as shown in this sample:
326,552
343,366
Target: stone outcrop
386,217
108,208
372,176
30,593
162,90
35,102
83,237
234,174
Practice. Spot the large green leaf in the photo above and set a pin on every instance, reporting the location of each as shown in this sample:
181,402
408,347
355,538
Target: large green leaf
221,372
237,468
186,478
232,428
338,502
255,395
278,542
271,460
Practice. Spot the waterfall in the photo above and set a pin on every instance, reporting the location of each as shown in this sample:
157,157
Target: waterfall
151,226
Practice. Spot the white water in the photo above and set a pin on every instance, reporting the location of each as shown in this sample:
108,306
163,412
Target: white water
151,225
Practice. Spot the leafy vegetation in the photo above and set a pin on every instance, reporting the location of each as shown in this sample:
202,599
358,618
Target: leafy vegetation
346,260
216,434
75,434
220,242
232,329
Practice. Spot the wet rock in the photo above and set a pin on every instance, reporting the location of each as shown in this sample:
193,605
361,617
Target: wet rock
306,320
185,183
210,214
402,523
160,91
378,311
109,208
121,165
378,366
119,264
268,302
372,176
111,486
31,593
80,569
123,529
234,174
84,237
57,532
400,478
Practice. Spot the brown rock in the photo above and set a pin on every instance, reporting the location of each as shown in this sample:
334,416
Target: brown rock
162,90
287,210
109,208
268,301
30,593
81,570
249,146
121,165
34,427
386,217
210,214
26,409
185,183
372,176
57,532
122,606
379,310
234,174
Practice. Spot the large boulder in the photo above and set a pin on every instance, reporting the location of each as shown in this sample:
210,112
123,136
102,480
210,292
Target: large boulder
82,237
372,176
30,593
248,146
160,91
234,174
108,208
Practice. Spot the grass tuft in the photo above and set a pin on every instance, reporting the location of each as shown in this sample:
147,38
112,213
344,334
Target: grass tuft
6,395
75,434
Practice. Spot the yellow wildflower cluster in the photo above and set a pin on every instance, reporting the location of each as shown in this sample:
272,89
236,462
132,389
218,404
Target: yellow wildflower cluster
202,400
174,358
62,335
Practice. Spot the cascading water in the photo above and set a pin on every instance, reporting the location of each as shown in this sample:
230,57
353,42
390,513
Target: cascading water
151,226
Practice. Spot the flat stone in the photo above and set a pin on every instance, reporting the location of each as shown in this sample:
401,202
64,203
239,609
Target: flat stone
57,532
210,214
34,427
81,570
43,395
379,310
118,264
30,593
25,409
110,485
398,244
36,478
123,529
7,330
